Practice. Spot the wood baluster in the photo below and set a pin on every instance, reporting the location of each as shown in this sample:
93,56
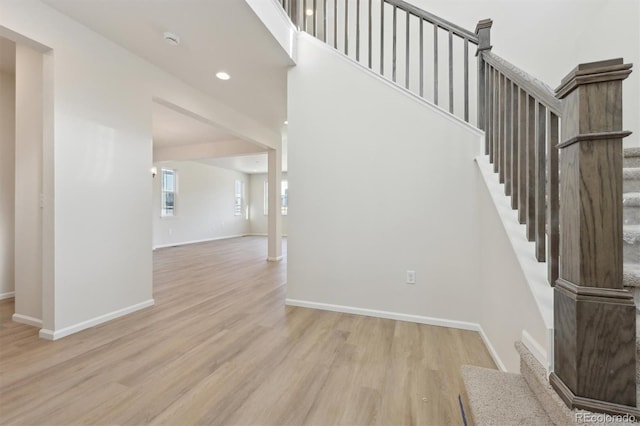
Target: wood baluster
358,30
369,56
502,100
515,90
483,31
382,37
522,157
406,70
506,159
435,64
335,24
531,168
553,199
540,183
304,15
421,57
346,27
489,111
451,72
325,22
466,81
394,42
315,18
495,131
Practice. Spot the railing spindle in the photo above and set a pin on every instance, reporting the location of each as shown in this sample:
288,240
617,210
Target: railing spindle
506,159
540,183
522,157
304,15
421,57
315,18
370,36
325,36
488,111
346,27
466,80
495,114
531,168
435,64
393,45
406,77
450,72
382,37
514,146
358,30
499,166
553,202
335,24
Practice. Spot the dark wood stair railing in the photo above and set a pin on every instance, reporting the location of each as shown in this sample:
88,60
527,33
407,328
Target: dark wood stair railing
579,236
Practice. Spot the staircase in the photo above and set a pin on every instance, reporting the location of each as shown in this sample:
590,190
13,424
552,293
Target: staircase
543,145
631,237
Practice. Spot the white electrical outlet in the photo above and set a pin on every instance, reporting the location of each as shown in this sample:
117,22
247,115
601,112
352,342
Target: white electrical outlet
411,277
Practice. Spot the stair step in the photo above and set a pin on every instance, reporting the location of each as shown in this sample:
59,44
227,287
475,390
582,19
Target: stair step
631,208
631,179
498,398
631,157
631,244
631,275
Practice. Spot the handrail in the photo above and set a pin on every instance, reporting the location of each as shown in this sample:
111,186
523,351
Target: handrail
435,20
533,86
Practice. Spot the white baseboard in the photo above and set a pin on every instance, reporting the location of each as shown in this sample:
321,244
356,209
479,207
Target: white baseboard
274,259
206,240
253,234
536,350
26,319
440,322
8,295
58,334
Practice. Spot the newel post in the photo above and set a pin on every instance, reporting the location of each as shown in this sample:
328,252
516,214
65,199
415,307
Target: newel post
483,31
594,317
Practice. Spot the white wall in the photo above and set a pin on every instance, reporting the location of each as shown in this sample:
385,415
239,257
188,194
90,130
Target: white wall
387,187
28,183
204,205
101,152
259,220
391,185
7,182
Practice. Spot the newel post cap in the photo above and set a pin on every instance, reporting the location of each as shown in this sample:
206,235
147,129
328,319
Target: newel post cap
483,31
593,72
484,23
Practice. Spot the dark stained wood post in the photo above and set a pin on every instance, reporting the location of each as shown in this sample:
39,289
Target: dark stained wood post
483,31
293,13
594,317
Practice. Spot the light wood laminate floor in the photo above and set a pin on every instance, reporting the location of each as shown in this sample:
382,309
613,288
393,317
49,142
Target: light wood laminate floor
220,347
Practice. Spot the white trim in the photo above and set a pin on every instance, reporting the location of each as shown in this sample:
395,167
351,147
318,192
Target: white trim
536,350
535,273
57,334
7,295
274,259
205,240
253,234
26,319
440,322
422,101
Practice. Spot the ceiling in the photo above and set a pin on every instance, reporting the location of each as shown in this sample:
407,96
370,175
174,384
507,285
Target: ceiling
215,35
250,164
173,128
7,56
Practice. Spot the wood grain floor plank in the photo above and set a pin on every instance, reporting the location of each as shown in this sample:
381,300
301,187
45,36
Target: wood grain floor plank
220,347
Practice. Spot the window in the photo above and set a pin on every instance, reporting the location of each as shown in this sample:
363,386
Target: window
168,197
284,194
284,186
239,198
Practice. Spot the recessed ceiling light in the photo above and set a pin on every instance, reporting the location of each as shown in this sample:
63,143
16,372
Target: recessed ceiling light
171,38
223,75
286,121
309,12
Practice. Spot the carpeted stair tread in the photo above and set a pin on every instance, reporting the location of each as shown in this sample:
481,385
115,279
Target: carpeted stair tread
631,234
632,157
631,275
631,199
498,398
